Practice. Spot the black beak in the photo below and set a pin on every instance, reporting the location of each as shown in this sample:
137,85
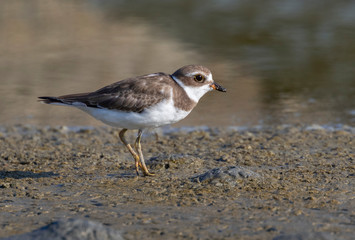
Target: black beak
217,87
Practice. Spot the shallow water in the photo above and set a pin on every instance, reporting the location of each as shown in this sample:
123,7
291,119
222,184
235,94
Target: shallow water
283,62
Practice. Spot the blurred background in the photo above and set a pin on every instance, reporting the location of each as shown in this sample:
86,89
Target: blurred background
282,61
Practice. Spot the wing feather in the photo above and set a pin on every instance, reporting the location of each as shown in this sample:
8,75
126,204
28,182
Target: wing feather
133,94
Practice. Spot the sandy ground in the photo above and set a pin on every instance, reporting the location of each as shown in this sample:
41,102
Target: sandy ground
292,182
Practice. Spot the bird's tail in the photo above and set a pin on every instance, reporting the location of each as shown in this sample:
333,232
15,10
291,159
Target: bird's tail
51,100
79,99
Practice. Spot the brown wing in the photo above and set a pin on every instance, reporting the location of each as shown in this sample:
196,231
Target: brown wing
133,94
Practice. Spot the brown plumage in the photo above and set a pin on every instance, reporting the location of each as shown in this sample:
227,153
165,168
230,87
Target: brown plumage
127,95
181,90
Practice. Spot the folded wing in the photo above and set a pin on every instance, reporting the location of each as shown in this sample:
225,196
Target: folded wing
131,94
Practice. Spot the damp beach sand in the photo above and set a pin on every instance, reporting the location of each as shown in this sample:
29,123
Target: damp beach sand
283,182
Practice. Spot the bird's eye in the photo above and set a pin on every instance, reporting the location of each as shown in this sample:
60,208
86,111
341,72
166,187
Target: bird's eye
199,78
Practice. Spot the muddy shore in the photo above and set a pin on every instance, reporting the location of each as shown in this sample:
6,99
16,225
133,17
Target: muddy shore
284,182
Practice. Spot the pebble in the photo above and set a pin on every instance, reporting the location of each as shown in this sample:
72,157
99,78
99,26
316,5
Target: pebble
70,229
225,175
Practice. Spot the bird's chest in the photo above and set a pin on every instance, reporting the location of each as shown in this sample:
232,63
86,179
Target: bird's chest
165,113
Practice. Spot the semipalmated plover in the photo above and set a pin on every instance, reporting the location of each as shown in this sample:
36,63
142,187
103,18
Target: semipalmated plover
143,102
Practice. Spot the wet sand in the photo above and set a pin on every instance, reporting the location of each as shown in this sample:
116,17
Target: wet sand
285,182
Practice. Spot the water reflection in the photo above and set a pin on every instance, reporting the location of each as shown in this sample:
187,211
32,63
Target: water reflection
282,61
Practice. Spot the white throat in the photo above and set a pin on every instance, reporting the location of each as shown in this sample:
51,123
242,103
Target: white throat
195,93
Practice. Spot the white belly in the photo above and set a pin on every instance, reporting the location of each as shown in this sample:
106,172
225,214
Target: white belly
163,113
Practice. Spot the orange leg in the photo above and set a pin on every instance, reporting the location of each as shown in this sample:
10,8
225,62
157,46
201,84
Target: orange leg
130,149
138,148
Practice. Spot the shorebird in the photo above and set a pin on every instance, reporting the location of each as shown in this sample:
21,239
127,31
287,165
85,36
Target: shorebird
142,102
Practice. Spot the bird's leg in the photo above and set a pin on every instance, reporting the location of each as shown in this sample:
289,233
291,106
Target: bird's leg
138,148
130,149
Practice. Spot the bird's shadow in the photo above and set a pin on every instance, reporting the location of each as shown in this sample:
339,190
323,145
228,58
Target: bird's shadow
26,174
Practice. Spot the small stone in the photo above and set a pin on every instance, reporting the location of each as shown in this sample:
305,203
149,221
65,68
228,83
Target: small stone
225,175
5,185
71,229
